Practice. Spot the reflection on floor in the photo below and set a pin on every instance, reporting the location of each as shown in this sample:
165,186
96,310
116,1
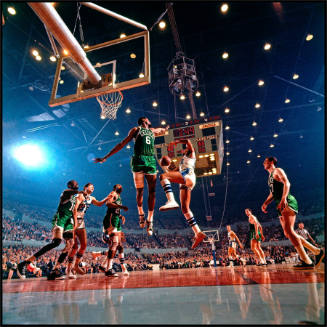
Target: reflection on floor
249,295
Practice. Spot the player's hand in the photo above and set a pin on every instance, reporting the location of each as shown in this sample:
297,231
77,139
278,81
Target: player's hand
167,127
263,238
101,160
257,236
241,246
123,219
264,208
282,204
124,208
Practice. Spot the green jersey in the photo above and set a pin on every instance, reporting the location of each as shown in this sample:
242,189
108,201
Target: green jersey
66,204
144,142
276,189
112,217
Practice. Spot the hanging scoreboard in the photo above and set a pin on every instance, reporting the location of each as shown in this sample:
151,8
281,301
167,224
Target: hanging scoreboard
206,136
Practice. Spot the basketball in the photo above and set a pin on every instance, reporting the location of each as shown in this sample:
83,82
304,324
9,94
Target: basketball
165,161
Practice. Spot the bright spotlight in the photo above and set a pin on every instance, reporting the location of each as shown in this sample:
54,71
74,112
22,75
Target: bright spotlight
224,8
29,155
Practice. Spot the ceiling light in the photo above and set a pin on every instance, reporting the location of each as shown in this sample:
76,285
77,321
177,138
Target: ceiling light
227,153
52,58
38,58
182,97
295,76
197,93
132,55
227,141
63,67
250,150
128,110
227,110
162,25
201,156
227,164
248,162
212,159
116,133
35,52
227,128
309,37
122,35
128,146
257,105
225,55
275,135
206,155
202,114
141,75
267,46
188,117
154,104
86,46
258,156
103,116
287,100
11,10
261,82
251,138
226,89
254,123
163,122
271,145
280,120
66,52
224,8
61,81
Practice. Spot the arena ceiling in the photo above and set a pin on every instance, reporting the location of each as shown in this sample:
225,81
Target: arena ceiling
78,133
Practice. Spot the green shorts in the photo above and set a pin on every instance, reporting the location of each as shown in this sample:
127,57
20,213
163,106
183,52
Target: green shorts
292,203
64,222
113,221
144,164
253,237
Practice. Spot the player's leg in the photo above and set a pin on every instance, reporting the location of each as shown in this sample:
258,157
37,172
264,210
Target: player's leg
139,186
82,236
71,257
165,180
57,233
230,256
151,180
319,253
254,249
261,253
121,255
185,198
288,218
114,242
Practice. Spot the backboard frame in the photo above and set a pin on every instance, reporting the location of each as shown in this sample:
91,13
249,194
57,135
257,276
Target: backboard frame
86,94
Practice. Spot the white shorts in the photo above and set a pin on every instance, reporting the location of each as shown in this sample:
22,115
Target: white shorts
189,178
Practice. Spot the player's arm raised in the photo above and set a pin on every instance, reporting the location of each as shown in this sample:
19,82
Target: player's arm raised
159,130
99,203
119,146
185,141
238,241
110,202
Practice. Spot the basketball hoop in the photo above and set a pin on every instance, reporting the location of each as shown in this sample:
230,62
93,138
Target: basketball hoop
109,103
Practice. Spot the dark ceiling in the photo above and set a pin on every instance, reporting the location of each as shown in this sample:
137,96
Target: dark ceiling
205,33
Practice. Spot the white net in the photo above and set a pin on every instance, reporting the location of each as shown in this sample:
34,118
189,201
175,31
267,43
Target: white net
212,235
109,103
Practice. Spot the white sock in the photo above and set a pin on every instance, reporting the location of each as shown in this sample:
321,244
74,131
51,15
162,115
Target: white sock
110,263
168,189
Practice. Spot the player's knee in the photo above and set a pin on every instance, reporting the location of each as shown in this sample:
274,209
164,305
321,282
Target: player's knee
56,242
120,249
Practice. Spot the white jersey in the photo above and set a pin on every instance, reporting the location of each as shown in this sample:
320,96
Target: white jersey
82,209
231,240
187,162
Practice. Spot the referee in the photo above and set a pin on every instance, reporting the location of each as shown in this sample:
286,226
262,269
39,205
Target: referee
304,233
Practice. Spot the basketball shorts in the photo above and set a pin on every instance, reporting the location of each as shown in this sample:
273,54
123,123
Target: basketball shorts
253,237
80,223
144,164
292,203
114,224
66,223
189,178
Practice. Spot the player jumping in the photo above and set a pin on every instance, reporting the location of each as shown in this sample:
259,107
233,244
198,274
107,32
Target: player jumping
143,164
185,176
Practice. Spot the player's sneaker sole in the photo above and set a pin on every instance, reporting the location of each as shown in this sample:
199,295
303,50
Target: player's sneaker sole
169,206
199,238
149,229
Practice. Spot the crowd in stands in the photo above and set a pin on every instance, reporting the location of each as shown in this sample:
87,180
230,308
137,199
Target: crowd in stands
15,229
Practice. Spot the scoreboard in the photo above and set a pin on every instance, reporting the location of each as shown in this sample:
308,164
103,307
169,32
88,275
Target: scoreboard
206,136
